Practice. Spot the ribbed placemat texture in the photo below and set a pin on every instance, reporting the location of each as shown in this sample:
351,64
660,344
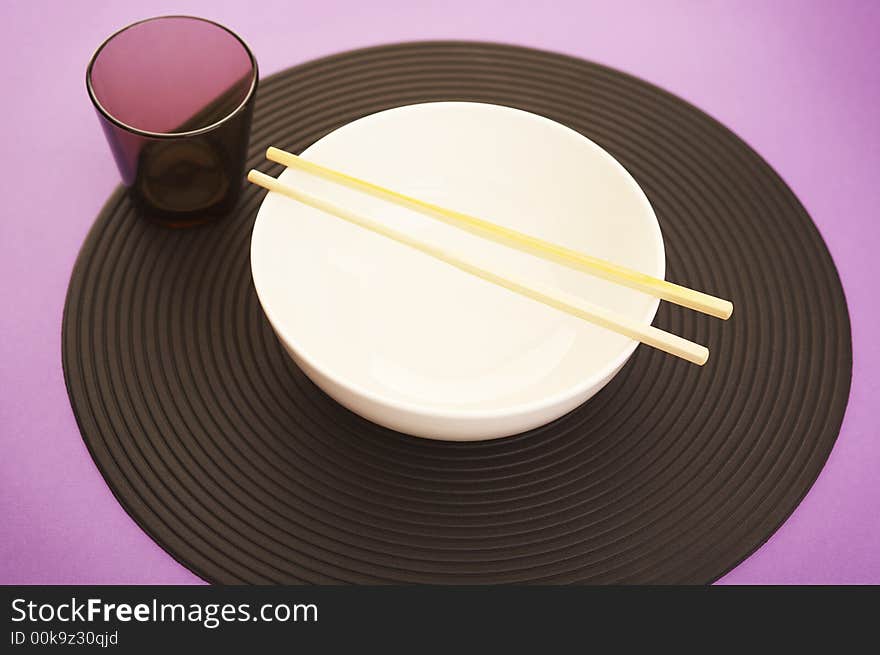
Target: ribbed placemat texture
237,465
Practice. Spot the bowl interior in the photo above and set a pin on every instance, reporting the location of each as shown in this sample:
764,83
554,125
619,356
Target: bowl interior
402,328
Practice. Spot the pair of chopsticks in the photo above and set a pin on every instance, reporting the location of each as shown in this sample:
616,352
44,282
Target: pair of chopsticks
605,318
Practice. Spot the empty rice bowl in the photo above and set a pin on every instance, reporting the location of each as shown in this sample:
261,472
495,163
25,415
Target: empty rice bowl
416,345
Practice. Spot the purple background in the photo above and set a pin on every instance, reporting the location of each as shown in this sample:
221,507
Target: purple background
797,80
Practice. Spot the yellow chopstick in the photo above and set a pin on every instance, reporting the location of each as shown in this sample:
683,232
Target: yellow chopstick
656,287
624,325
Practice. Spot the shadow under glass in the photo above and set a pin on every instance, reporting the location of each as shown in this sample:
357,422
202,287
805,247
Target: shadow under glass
175,96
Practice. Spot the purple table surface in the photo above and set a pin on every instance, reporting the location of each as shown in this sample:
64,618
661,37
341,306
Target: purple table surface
798,81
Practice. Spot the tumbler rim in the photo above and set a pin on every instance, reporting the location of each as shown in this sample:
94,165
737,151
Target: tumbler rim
171,135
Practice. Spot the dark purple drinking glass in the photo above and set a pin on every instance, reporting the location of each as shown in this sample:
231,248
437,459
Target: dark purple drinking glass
175,95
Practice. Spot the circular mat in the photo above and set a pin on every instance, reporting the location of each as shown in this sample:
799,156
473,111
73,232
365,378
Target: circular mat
237,465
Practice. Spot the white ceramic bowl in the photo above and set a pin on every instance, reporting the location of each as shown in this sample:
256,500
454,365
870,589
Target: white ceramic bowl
416,345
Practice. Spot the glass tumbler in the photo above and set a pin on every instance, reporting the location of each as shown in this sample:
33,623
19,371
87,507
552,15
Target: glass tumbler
175,96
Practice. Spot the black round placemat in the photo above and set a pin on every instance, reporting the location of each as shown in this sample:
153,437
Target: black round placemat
237,465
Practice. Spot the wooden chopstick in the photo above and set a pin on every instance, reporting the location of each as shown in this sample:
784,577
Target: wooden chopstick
656,287
569,304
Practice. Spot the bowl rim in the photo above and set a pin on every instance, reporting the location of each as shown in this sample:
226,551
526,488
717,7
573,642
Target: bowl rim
599,377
